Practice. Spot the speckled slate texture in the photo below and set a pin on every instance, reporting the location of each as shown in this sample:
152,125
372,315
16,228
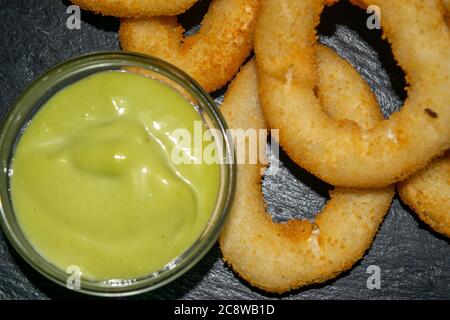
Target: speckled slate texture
414,261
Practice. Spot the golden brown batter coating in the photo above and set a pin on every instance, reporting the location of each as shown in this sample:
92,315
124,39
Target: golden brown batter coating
346,154
428,194
213,55
135,8
278,257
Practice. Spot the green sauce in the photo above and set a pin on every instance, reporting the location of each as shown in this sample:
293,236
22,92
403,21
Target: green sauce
93,183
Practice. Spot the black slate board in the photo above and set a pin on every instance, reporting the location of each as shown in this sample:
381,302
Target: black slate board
414,261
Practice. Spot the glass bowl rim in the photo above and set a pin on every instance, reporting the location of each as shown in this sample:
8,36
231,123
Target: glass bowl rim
190,257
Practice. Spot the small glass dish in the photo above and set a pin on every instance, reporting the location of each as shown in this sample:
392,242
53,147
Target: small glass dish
67,73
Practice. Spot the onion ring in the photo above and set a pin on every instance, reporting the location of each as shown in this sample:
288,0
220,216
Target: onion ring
348,155
213,55
278,257
135,8
428,194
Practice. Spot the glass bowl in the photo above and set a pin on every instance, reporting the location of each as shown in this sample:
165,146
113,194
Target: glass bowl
67,73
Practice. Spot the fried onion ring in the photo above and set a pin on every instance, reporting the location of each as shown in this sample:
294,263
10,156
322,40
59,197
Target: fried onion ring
213,55
428,194
278,257
135,8
345,154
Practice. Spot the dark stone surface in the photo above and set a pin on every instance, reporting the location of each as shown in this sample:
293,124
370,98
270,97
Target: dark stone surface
414,261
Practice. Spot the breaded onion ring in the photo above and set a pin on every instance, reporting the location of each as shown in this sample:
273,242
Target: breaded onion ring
345,154
278,257
428,194
213,55
135,8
